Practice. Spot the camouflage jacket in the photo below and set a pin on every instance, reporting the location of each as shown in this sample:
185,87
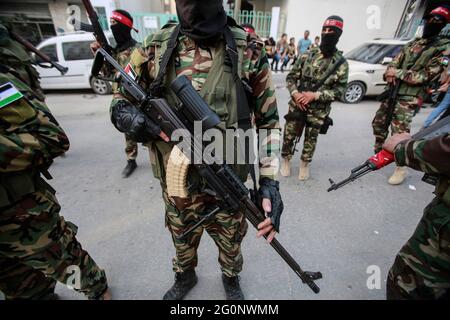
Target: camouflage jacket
196,62
14,55
131,59
418,68
30,137
310,68
429,156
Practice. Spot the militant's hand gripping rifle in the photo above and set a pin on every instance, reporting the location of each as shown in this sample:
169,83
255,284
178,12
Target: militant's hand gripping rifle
38,52
99,35
383,158
220,178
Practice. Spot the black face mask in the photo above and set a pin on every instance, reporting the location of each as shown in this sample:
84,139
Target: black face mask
202,21
121,33
431,30
328,44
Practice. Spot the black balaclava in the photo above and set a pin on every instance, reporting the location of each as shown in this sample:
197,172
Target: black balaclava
122,31
431,30
202,21
330,40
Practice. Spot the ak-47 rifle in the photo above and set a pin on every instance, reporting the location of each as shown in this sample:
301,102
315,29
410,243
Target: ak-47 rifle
96,27
99,35
383,158
221,179
391,102
39,53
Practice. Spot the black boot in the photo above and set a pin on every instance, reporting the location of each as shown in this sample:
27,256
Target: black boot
232,288
184,282
128,170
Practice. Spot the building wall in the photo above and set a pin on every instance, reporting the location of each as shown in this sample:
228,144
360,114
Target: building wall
310,14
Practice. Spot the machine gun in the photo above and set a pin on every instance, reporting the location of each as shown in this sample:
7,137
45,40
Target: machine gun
383,158
39,53
220,177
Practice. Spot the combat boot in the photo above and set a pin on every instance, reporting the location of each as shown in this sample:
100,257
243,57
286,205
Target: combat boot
285,170
399,176
232,288
304,171
128,170
184,282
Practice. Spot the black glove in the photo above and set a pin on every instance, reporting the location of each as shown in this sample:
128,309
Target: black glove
270,189
134,123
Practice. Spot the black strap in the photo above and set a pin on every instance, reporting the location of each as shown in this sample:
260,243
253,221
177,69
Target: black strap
157,84
328,74
243,110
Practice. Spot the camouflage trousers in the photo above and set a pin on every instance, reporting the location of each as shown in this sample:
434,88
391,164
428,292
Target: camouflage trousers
38,247
226,229
422,267
131,148
315,118
401,119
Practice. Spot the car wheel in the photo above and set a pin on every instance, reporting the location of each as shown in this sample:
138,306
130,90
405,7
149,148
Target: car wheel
354,92
100,86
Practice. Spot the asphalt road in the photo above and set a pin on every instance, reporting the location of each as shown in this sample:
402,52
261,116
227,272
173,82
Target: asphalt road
121,221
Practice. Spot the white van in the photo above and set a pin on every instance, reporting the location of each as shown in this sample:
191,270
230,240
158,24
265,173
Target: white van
71,51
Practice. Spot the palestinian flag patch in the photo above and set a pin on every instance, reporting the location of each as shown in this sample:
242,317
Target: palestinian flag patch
9,94
130,71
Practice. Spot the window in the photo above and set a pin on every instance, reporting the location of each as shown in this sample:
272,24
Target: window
373,52
50,51
79,50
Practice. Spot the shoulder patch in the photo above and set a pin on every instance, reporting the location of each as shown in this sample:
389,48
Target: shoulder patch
9,94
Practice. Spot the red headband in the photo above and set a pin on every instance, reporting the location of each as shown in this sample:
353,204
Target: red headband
441,11
123,20
249,30
334,23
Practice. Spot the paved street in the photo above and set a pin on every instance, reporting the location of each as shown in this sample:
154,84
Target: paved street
121,221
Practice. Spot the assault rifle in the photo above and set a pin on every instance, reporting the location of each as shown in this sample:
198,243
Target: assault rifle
99,35
220,177
39,53
96,27
383,158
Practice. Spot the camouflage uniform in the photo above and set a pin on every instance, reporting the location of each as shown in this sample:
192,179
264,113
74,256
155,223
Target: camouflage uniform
134,56
422,267
307,71
13,54
416,69
226,228
37,246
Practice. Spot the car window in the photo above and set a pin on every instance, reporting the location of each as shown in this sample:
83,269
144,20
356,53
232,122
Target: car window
373,52
50,51
78,50
394,52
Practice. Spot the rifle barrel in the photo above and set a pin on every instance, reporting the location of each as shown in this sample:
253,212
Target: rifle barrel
38,52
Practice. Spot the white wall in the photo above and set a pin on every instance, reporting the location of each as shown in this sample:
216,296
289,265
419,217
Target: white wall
310,14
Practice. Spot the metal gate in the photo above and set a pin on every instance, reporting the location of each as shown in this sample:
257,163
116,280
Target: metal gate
148,23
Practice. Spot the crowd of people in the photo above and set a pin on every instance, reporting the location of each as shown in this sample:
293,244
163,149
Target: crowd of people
288,51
